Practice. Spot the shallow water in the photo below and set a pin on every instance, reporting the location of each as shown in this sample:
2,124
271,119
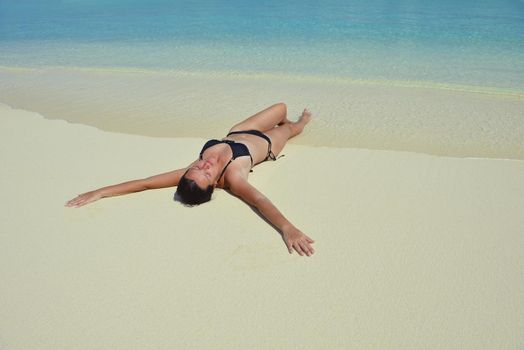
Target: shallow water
461,42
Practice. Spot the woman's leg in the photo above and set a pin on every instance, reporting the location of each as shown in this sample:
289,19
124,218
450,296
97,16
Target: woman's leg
264,120
284,132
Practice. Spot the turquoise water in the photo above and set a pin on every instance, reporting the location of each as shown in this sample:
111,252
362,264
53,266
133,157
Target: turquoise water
468,42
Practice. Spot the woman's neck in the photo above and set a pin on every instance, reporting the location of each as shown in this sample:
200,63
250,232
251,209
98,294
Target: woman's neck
221,158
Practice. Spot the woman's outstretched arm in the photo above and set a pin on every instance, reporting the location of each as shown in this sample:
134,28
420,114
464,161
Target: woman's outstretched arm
293,237
168,179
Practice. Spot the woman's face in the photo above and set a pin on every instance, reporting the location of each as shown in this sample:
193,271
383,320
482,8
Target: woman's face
203,172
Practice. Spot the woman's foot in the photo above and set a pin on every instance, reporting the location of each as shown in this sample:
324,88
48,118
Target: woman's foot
305,117
297,127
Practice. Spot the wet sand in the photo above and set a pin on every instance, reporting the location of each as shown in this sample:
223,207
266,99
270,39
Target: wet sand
438,119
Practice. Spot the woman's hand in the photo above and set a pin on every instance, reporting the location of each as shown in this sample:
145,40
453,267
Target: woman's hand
83,199
295,239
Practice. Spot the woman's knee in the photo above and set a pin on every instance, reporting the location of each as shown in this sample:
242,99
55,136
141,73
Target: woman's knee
281,106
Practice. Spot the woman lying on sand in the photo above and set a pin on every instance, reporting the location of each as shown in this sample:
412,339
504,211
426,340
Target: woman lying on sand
226,164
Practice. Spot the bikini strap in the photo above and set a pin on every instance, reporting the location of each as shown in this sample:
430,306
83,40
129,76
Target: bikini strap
270,154
224,170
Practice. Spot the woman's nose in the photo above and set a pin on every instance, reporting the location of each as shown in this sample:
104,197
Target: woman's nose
205,165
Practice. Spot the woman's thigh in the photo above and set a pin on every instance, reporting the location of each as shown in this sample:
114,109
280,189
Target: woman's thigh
279,137
264,120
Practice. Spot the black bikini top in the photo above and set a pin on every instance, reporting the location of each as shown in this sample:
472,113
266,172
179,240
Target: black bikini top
238,149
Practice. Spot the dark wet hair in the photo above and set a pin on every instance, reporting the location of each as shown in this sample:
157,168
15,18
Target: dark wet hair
189,193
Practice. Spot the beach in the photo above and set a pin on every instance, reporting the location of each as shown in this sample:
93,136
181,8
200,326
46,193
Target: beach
410,176
412,250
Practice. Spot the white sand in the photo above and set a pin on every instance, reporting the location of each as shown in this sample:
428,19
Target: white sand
413,251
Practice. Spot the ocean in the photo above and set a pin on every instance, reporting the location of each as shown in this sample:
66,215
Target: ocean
439,77
464,42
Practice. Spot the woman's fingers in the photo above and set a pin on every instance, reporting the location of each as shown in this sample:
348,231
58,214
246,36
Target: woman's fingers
75,201
82,199
300,243
302,247
298,248
80,203
306,248
71,202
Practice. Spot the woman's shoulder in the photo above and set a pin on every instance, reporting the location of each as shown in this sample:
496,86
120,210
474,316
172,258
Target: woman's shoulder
236,173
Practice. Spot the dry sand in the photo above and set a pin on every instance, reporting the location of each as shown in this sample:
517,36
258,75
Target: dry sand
413,251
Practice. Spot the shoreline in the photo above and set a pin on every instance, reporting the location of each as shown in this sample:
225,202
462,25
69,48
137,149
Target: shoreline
349,114
292,142
282,76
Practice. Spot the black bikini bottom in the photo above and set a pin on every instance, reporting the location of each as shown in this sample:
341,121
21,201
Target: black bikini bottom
270,154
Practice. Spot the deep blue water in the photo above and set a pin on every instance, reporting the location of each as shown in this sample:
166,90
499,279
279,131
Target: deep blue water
476,42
